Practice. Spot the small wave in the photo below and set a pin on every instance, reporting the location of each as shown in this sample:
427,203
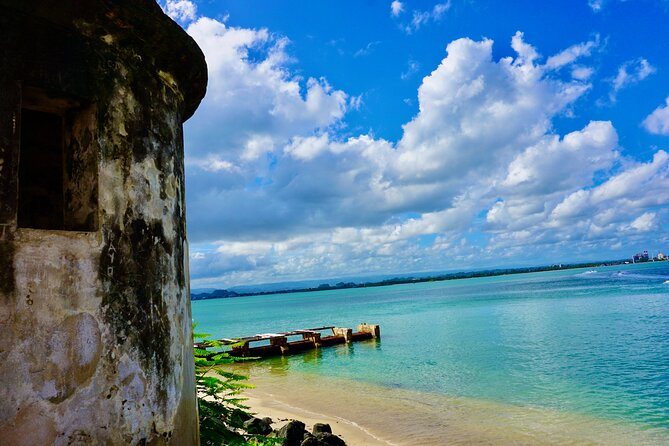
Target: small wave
635,276
666,282
644,276
591,272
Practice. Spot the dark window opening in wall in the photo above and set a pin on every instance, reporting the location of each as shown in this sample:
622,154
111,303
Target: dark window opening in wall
41,171
58,168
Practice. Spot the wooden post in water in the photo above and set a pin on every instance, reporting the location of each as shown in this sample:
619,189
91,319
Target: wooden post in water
314,337
311,338
281,342
347,333
241,349
374,330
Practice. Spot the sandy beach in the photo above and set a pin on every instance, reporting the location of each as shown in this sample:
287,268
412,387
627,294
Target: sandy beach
265,405
364,414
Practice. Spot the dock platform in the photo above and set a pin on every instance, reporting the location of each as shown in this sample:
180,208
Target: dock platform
308,338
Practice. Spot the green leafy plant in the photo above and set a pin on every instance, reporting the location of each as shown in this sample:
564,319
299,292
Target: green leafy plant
221,408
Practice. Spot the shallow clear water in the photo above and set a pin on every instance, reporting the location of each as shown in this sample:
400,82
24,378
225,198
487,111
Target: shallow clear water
581,343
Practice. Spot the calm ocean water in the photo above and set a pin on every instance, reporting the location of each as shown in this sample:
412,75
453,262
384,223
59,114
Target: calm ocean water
587,350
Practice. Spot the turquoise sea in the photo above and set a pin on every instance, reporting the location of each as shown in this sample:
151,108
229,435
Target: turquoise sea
564,357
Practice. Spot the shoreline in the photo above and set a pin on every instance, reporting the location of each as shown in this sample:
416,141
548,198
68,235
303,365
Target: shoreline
267,405
364,414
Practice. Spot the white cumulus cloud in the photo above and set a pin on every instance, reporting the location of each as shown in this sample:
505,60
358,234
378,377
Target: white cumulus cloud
256,99
619,203
475,112
278,188
182,11
658,121
645,222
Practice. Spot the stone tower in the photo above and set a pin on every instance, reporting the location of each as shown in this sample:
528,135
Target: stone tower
95,320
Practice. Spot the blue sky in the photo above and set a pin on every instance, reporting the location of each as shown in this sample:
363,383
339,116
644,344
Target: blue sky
384,137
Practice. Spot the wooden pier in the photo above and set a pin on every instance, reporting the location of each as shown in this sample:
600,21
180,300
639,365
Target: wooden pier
309,338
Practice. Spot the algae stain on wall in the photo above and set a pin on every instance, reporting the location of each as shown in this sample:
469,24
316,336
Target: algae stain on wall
95,322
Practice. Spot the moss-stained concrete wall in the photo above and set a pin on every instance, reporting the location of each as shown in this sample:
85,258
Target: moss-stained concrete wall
95,322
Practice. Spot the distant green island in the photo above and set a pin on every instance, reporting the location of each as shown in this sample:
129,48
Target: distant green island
224,294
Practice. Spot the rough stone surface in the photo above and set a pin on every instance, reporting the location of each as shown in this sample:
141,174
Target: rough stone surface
322,439
329,439
258,426
293,432
320,428
311,441
95,321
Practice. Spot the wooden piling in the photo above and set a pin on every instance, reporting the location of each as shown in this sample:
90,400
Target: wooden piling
310,338
374,330
347,333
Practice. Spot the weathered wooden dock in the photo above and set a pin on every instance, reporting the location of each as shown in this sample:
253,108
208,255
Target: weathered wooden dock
309,338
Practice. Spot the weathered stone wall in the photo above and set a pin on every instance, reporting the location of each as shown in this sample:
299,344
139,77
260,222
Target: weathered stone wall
95,322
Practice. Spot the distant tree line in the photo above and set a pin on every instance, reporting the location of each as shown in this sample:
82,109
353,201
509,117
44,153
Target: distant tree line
217,294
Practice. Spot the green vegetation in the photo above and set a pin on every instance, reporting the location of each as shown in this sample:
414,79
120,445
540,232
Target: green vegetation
221,408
